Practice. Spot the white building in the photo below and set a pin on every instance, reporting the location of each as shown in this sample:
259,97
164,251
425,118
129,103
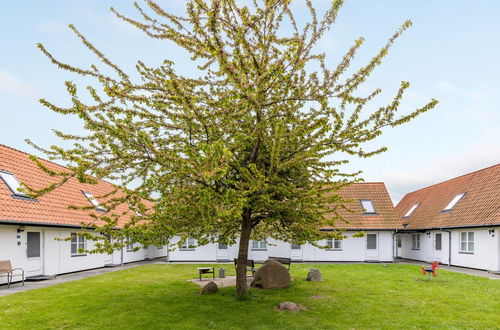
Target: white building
456,222
30,229
373,214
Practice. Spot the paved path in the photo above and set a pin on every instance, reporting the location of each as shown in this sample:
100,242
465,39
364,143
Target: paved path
462,270
18,287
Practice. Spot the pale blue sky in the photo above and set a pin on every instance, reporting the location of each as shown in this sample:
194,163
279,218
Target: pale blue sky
451,53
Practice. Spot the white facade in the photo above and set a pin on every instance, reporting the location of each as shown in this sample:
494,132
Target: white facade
485,253
352,249
55,256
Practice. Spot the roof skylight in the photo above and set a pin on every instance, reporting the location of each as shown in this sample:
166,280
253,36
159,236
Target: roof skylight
367,206
454,202
410,211
94,201
11,182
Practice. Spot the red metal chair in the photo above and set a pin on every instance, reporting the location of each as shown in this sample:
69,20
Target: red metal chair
431,270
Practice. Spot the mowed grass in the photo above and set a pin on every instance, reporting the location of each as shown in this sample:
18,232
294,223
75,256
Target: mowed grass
158,296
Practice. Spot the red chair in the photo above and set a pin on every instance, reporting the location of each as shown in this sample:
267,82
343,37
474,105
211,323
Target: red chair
431,270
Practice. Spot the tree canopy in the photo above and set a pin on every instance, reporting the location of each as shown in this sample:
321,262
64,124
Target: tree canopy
251,147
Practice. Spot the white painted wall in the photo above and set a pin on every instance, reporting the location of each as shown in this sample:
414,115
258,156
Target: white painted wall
486,248
353,249
56,255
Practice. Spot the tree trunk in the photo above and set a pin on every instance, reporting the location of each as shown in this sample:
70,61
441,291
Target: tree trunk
241,267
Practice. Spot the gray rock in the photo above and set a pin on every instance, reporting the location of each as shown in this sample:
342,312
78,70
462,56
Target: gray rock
210,288
290,306
314,275
273,275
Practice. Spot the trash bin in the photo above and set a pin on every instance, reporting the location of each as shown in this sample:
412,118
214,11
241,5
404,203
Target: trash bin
222,273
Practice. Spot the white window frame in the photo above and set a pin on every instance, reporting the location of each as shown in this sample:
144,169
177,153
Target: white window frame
415,241
334,244
79,242
259,245
93,201
370,205
189,244
411,210
12,183
467,238
130,245
454,201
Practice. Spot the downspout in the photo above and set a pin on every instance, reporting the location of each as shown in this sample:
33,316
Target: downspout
394,245
121,255
449,245
168,251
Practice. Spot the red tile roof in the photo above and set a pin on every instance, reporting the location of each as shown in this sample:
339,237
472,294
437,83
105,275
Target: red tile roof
52,208
385,216
479,206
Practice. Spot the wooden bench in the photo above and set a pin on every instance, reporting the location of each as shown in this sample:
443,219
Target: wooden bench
250,266
283,261
6,270
206,270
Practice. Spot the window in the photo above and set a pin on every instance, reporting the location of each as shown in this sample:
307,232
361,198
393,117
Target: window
77,245
130,245
367,206
399,241
94,201
439,242
189,244
33,243
222,246
410,211
334,244
259,245
453,202
415,239
467,242
11,182
295,246
371,241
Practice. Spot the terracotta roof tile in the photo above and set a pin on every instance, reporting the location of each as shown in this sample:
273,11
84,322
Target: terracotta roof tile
478,207
385,217
52,208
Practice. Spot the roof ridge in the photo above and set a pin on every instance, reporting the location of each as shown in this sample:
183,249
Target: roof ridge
451,179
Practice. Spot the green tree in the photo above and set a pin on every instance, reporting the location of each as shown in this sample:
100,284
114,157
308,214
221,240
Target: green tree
249,148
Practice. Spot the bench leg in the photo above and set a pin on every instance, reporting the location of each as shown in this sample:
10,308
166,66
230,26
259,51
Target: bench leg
8,281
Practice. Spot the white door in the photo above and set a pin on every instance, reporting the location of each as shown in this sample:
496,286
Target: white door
371,247
34,253
296,252
222,252
438,247
399,246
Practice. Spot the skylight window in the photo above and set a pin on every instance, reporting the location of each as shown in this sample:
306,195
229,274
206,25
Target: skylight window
367,206
94,201
454,202
410,211
11,182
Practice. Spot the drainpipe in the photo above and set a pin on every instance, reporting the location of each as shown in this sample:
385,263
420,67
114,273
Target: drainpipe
168,251
121,255
394,245
449,245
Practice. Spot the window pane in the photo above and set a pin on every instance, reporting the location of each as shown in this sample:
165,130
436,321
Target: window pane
11,182
73,238
371,241
329,243
337,244
222,246
367,206
463,246
295,246
73,248
471,236
453,202
263,244
438,242
255,244
33,245
471,247
463,237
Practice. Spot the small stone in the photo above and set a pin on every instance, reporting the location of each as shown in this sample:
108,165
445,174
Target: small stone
314,275
290,306
210,288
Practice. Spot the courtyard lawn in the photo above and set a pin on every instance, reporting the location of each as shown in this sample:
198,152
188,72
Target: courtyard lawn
352,296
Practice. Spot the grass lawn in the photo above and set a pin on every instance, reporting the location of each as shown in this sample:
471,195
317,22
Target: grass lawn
352,296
